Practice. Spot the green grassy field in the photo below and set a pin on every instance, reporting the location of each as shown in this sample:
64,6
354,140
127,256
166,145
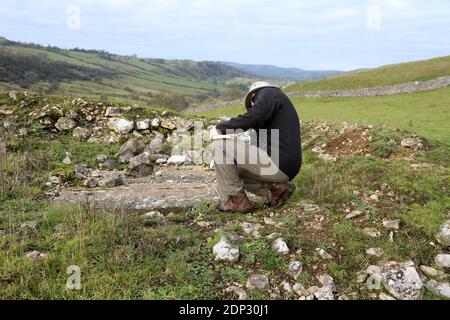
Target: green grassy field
384,76
135,78
424,113
121,256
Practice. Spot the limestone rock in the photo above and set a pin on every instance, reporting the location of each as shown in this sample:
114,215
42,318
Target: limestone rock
300,290
121,126
226,251
375,252
372,232
179,160
323,254
91,183
130,149
440,289
30,225
67,160
156,123
113,112
311,208
156,144
36,255
295,269
443,237
412,143
431,272
353,214
325,293
65,124
386,297
239,292
168,124
109,165
140,166
260,282
391,224
143,125
443,260
402,281
81,134
111,181
280,247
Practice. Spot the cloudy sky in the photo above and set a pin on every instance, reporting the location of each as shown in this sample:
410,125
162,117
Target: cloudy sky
319,34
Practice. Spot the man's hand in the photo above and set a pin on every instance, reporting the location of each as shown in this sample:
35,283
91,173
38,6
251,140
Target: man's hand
214,134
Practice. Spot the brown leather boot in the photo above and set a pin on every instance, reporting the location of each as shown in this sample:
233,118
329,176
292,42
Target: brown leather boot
280,193
239,204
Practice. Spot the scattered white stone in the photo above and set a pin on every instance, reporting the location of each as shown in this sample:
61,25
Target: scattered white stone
250,228
260,282
67,160
111,181
81,134
286,286
154,215
323,254
386,297
91,183
65,124
161,161
226,251
353,215
361,276
156,123
29,225
375,252
55,180
403,281
113,112
36,255
443,260
412,143
300,290
327,281
325,293
143,125
179,160
430,272
372,232
280,247
239,292
375,278
439,289
295,269
392,224
121,126
311,208
443,237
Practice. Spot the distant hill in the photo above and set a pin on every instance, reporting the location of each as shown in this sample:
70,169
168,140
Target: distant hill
274,72
383,76
94,73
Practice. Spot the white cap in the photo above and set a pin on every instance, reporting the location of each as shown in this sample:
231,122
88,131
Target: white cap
255,87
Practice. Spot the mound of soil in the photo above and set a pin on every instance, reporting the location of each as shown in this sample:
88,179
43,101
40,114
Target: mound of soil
350,143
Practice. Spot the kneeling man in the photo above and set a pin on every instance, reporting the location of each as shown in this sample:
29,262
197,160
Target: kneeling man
267,167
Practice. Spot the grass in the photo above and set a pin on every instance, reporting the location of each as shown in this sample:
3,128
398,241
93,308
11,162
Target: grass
121,256
424,113
135,79
384,76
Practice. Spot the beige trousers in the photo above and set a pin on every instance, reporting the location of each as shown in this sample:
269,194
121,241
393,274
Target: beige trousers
242,167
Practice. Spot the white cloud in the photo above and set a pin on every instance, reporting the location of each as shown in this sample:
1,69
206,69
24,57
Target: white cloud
301,33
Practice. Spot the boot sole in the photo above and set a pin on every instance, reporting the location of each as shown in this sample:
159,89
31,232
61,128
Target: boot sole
284,198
